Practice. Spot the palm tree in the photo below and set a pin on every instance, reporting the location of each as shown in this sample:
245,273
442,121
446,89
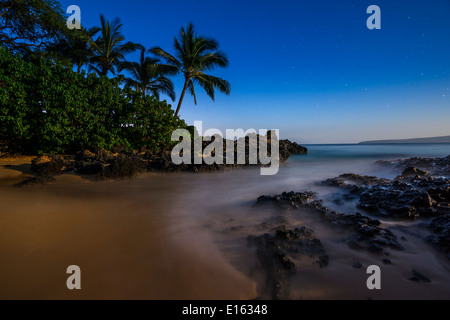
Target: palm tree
76,48
73,48
109,49
193,56
148,75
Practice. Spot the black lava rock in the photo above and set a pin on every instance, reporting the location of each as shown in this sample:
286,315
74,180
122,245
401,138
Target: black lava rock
274,253
419,277
123,167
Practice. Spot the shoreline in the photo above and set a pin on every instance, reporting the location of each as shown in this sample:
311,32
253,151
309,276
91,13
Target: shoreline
172,236
105,165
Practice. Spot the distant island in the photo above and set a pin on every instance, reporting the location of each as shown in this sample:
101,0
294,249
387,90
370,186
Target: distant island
444,139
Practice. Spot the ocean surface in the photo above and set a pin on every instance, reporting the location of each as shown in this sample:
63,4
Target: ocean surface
378,151
184,236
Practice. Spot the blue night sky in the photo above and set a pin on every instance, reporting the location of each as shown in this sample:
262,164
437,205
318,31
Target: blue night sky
309,68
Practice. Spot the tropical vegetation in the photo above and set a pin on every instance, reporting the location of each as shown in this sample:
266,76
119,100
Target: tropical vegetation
64,90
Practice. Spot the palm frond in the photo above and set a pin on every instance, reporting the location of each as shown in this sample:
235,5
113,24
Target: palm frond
109,49
93,68
132,83
210,83
212,60
206,85
204,46
167,57
166,69
192,91
166,86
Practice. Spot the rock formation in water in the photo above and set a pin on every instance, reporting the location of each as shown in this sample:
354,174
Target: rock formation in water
275,252
106,165
421,191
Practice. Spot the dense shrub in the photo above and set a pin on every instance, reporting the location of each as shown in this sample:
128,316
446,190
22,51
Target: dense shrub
46,107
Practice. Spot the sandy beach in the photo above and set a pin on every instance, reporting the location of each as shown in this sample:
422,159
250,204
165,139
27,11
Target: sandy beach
122,241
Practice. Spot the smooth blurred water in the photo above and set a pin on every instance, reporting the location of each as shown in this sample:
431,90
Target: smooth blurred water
380,151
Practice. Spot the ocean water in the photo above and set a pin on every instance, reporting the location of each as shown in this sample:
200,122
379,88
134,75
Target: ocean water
184,236
325,161
319,152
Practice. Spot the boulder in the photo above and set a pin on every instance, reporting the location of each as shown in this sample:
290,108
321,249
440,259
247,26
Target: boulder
49,164
352,179
103,156
413,172
124,166
441,234
39,161
276,251
85,156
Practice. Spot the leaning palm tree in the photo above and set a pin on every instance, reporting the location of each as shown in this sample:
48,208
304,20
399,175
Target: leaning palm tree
109,49
148,75
193,56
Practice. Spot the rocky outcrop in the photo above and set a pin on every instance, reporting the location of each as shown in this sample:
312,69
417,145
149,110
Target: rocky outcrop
275,254
422,190
100,156
288,199
45,168
414,193
436,166
106,165
123,166
288,148
351,180
410,172
362,232
441,234
408,198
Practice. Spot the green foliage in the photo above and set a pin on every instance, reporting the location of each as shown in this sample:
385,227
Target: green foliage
30,24
50,108
151,127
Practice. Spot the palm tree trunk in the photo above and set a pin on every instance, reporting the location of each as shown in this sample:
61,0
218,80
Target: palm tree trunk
186,84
